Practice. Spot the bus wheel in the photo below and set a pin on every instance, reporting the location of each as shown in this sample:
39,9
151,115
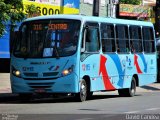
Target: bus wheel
25,97
82,95
129,92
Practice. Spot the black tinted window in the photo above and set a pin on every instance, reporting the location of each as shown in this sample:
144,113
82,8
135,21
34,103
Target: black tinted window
135,39
122,42
148,40
107,35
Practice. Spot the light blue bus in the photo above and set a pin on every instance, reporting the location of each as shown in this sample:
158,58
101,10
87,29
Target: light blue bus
78,55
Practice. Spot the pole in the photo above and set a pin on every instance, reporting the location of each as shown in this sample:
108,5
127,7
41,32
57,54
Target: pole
96,4
61,6
157,18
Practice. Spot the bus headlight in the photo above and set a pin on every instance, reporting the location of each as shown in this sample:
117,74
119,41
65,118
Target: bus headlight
15,72
68,71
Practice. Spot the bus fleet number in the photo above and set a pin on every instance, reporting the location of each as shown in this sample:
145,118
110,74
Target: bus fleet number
49,11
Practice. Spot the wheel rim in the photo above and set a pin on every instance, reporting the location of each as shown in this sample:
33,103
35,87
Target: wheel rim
83,92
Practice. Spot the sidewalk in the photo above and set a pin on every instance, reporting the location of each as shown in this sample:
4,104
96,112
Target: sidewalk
5,86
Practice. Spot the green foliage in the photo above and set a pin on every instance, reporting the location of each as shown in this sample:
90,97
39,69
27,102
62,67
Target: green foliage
10,10
32,11
134,2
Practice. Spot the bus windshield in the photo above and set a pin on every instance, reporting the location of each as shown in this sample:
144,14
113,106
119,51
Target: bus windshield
47,38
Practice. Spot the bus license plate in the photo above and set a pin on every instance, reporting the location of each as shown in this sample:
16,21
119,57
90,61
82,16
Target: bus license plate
40,90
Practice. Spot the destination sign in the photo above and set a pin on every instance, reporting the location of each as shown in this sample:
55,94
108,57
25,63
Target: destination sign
53,26
60,26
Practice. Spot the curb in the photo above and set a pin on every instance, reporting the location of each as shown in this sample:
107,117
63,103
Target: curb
5,90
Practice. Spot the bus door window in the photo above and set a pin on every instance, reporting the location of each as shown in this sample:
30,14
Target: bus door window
148,40
122,42
92,39
107,35
92,44
135,39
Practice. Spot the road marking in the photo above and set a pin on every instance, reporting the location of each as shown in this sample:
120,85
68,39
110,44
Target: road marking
130,112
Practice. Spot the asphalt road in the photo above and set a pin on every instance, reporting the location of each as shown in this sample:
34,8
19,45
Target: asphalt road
102,106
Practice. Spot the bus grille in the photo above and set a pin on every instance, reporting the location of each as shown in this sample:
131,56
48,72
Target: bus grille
48,74
31,74
40,78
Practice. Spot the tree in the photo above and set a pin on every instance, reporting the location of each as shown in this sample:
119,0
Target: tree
32,11
134,2
10,10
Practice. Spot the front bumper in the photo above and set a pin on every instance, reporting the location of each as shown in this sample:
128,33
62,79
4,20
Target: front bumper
66,84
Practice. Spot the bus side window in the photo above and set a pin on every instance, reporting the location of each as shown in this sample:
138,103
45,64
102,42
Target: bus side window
107,35
148,39
92,40
122,42
135,39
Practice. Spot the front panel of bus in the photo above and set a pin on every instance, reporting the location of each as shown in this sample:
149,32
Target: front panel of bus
44,58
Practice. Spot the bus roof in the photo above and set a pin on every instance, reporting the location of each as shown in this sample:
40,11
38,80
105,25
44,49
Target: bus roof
93,19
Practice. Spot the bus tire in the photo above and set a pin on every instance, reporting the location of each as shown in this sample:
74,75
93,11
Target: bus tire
25,97
128,92
82,95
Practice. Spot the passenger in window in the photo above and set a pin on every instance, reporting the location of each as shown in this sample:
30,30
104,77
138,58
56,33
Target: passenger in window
65,40
69,42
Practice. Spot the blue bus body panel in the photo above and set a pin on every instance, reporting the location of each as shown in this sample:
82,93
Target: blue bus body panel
118,70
